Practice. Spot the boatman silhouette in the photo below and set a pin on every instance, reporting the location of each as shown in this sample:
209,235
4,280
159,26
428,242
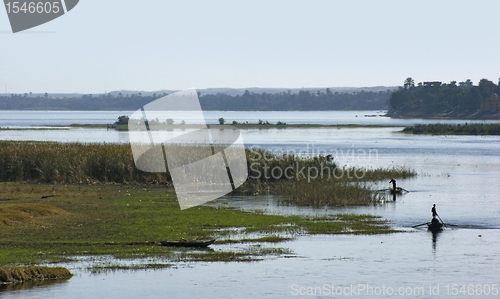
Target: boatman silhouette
434,213
393,181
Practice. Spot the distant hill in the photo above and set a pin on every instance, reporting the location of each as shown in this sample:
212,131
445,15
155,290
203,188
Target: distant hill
343,98
221,90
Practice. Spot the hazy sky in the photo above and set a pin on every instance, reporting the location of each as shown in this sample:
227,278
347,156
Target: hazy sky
105,45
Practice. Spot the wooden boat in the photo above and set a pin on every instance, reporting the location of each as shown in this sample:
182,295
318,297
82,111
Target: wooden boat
398,190
434,225
188,243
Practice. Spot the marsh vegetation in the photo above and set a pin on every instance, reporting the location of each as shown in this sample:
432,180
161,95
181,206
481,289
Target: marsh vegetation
57,223
61,200
311,181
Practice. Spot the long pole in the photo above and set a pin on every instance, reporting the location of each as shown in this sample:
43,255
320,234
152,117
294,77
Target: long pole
419,225
440,219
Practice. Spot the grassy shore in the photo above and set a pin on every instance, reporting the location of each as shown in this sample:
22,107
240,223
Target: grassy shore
42,223
61,200
464,129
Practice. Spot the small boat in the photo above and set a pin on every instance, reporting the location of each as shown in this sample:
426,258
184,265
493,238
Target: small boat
434,225
395,189
188,243
398,190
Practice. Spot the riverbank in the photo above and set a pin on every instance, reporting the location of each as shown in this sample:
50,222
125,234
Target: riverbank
477,115
44,223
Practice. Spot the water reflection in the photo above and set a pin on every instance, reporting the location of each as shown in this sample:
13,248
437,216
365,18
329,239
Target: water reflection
435,236
30,284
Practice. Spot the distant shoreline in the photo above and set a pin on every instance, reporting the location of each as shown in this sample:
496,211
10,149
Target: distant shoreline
187,126
446,115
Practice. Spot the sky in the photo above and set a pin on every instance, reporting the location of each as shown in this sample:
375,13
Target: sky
101,46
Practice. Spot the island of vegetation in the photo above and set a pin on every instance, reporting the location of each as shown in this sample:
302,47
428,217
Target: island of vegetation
435,99
169,124
445,129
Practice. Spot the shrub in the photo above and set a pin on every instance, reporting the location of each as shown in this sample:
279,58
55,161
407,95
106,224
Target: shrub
122,120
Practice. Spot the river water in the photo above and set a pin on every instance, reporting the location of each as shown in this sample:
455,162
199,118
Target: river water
460,174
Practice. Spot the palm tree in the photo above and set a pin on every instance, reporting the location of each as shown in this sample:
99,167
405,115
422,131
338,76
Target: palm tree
409,82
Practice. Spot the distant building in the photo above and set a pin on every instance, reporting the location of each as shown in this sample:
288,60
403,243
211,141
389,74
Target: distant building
432,84
491,104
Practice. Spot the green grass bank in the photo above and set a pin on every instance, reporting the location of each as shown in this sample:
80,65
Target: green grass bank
43,223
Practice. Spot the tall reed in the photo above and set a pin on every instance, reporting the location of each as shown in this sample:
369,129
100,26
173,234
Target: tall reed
303,180
49,162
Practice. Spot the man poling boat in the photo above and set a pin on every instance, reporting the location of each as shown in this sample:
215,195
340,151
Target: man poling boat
435,225
395,189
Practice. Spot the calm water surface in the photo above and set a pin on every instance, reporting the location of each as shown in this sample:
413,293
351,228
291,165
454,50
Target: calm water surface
459,173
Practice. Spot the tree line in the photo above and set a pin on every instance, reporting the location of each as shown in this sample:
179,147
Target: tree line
248,101
428,98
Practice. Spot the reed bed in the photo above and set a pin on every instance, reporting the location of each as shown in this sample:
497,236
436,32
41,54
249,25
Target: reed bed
304,180
313,181
324,193
48,162
272,167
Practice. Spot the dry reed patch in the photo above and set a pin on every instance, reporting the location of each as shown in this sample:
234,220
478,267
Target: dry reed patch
12,214
24,274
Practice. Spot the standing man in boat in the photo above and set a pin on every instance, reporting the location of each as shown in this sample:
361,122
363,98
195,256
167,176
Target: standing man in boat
434,213
393,181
